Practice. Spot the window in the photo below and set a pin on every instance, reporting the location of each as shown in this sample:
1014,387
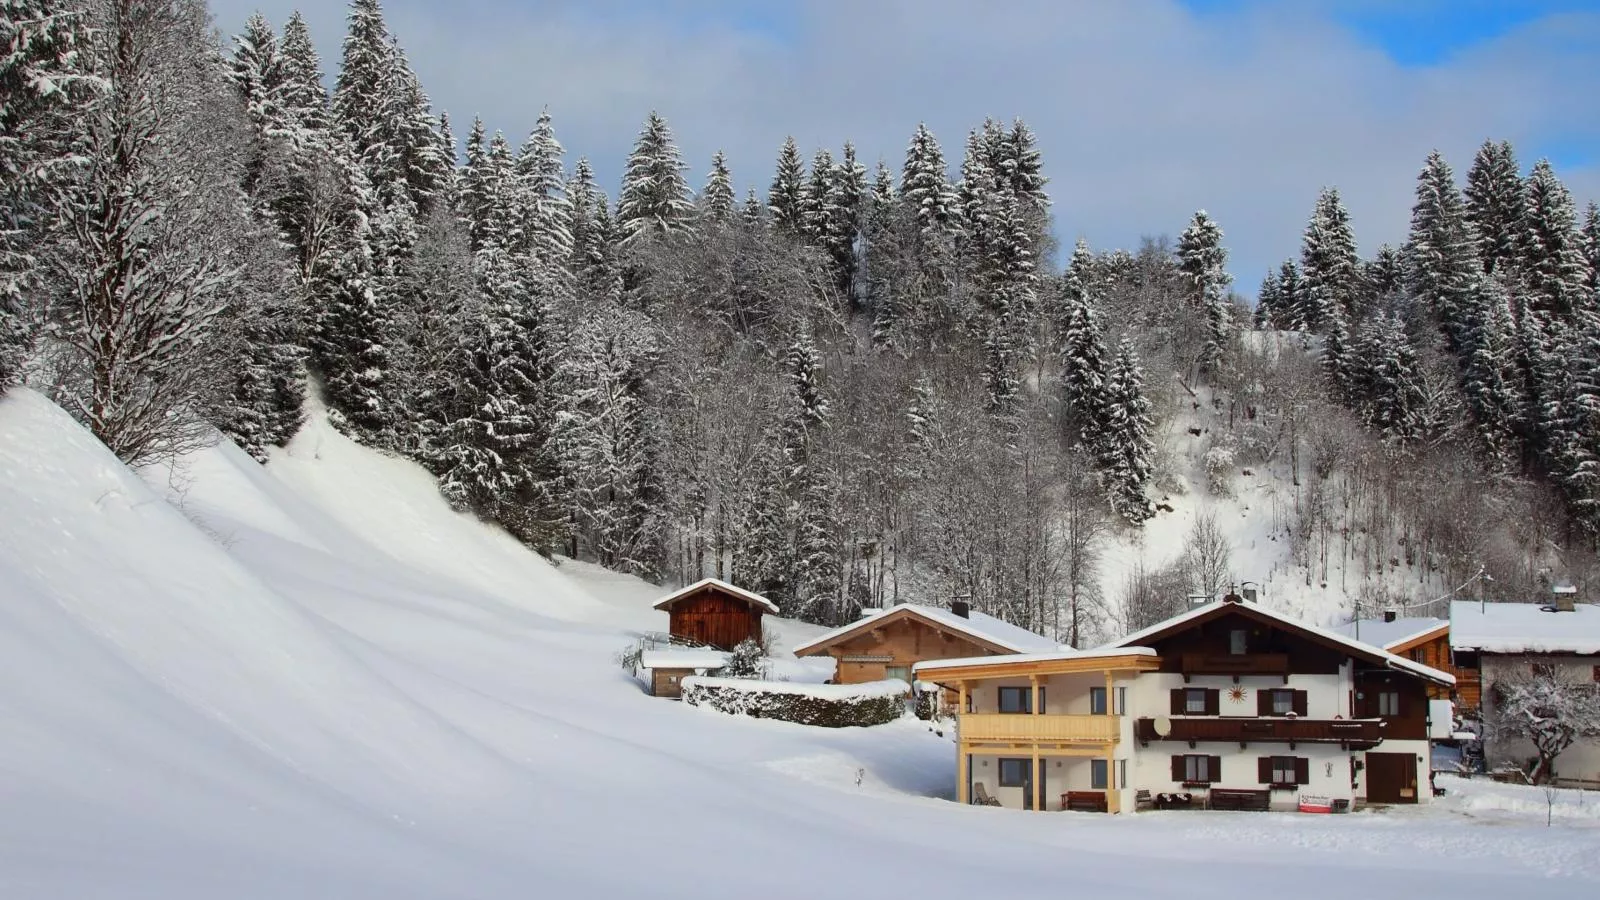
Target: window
1014,772
1542,670
1122,696
1098,770
672,679
900,673
1015,700
1238,642
1282,703
1388,703
1199,769
1597,674
1284,770
1194,701
1122,773
970,697
1097,701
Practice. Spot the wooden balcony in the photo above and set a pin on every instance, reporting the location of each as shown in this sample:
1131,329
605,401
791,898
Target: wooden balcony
1357,734
1235,665
1023,728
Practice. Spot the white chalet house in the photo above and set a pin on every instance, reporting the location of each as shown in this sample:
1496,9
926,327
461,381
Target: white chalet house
1228,705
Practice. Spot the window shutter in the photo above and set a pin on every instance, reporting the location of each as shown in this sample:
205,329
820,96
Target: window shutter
1300,703
1264,769
1213,702
1302,770
1399,704
1177,701
1177,768
1214,769
1263,703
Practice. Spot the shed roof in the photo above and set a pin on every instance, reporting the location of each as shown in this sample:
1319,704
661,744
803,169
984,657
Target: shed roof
1524,628
751,598
979,626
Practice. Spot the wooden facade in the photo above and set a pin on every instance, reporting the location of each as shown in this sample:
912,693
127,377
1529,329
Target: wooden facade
668,682
889,645
1433,649
715,614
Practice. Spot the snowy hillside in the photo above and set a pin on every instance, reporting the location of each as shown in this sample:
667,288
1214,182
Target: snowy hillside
315,680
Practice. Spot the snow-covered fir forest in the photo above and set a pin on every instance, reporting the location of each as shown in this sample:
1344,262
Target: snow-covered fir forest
878,380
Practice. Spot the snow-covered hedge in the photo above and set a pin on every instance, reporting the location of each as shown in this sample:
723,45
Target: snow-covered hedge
826,705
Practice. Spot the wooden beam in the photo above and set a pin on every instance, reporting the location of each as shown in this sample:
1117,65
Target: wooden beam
963,774
1111,697
1037,782
1045,668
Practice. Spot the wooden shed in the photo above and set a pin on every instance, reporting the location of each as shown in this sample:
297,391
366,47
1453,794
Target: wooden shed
715,613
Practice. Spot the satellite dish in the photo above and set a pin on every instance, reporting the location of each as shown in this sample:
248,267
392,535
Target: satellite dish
1162,726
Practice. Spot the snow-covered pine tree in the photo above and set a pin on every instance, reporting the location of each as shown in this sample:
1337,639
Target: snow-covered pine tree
1495,206
1551,258
925,190
1489,379
786,198
1391,382
1442,266
302,96
1340,362
1385,275
381,106
1292,301
1591,244
655,199
818,197
472,199
542,196
1328,264
1269,302
42,77
1203,261
1126,458
754,212
1084,368
256,71
716,200
815,576
878,234
845,217
1024,168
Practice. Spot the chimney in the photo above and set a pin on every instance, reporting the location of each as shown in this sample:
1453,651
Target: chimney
1566,595
1390,615
961,608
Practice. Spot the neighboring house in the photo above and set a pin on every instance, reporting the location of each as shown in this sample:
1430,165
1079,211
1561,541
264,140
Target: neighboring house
887,644
1229,704
1513,640
1420,639
716,614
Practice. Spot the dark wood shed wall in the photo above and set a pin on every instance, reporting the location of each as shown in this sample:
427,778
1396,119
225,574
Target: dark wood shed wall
714,617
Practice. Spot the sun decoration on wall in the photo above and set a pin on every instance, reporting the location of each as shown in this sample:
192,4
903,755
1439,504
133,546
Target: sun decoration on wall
1237,694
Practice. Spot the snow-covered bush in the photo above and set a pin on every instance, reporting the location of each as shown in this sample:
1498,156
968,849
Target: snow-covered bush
1219,464
1549,711
825,705
747,661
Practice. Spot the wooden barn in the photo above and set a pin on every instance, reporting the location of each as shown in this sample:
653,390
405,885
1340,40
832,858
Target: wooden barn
887,643
715,613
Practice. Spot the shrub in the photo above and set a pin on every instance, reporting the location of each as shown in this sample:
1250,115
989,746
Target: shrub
824,705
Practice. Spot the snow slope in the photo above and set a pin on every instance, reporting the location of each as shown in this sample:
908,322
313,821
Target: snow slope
315,680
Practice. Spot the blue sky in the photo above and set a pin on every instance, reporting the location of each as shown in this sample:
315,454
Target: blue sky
1145,109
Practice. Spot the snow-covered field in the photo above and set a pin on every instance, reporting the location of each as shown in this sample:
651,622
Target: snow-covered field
315,680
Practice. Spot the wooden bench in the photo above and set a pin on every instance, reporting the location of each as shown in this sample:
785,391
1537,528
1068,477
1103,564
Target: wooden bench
1084,801
1143,800
1240,799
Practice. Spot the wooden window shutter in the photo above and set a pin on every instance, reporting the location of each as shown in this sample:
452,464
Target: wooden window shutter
1214,769
1263,703
1177,701
1264,769
1177,768
1300,703
1213,702
1302,770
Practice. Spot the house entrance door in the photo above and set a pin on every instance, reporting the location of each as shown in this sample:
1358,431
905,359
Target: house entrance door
1391,778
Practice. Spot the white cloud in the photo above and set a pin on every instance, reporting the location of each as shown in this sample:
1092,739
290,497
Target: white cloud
1144,111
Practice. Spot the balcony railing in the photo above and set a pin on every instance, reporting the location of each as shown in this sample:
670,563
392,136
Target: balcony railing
1357,733
1230,664
1023,727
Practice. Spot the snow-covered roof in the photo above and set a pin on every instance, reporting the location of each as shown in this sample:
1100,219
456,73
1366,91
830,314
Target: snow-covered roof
683,658
934,665
1359,648
741,593
1524,628
1389,635
977,625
